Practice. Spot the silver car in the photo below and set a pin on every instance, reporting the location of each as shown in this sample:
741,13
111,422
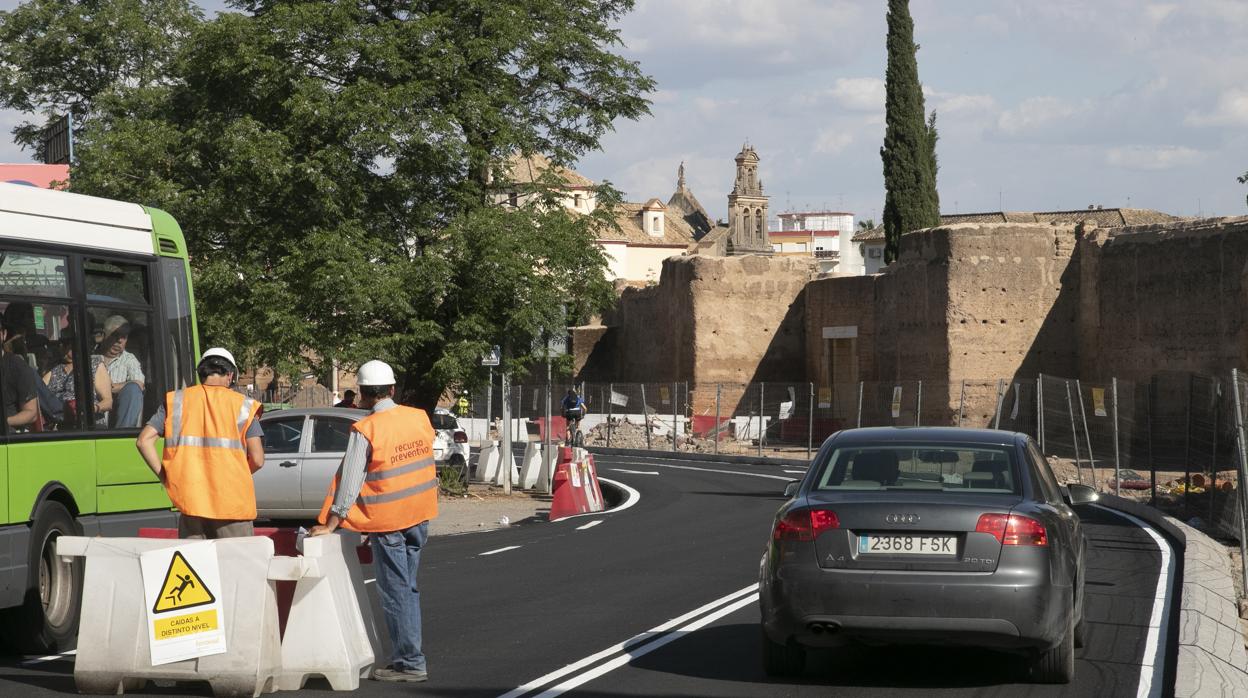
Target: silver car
304,447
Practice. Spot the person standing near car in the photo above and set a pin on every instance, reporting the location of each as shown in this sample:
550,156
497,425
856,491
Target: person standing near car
387,488
462,406
213,445
347,401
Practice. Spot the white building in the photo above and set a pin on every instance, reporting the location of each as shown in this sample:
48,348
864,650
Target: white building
646,234
824,235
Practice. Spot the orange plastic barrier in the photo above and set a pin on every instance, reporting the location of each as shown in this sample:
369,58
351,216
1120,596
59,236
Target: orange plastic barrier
575,489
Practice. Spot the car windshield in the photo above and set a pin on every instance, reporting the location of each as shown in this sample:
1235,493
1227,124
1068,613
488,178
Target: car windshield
443,421
938,467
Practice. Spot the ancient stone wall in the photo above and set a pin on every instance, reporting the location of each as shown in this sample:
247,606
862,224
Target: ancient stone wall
1158,298
709,320
963,302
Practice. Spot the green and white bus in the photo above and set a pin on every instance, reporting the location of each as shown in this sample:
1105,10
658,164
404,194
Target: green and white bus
98,319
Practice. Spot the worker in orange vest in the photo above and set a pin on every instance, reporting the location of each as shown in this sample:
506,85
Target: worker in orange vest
213,444
387,487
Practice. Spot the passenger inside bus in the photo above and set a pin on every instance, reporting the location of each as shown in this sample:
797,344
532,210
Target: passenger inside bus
17,386
124,371
60,381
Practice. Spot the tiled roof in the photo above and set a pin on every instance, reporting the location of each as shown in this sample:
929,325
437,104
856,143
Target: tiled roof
684,204
526,170
714,239
628,216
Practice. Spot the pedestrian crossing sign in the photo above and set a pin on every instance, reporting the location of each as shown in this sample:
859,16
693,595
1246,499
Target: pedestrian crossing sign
183,587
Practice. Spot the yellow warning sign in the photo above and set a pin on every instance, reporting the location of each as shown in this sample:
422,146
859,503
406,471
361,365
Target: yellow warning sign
189,624
182,588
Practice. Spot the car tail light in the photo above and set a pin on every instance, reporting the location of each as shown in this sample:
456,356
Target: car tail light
1012,529
805,524
461,437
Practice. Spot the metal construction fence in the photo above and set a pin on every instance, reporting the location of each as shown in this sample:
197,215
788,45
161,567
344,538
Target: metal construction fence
1171,440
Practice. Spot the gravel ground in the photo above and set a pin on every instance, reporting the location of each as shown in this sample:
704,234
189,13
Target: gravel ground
483,508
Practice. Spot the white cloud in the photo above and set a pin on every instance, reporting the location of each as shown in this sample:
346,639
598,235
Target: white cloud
859,94
1231,110
832,141
1036,113
1153,158
957,103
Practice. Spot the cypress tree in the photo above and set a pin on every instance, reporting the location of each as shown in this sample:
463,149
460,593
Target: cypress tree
909,152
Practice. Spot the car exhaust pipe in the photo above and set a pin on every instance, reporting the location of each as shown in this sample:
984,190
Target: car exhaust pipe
819,628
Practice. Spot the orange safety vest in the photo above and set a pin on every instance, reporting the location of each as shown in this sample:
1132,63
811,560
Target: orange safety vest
205,458
400,488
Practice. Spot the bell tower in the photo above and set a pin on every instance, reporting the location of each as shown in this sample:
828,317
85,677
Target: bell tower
747,208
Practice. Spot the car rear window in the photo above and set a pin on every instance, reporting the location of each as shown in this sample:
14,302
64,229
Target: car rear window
939,468
443,421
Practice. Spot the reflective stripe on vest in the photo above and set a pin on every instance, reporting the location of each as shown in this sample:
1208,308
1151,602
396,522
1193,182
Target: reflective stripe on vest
400,487
205,459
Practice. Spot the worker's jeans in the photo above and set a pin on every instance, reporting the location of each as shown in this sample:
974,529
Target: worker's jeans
396,557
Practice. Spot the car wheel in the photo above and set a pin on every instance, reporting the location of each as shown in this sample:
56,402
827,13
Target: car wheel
782,660
47,620
1056,665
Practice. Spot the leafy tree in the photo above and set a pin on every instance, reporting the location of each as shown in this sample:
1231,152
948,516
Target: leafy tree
58,56
866,224
336,165
909,152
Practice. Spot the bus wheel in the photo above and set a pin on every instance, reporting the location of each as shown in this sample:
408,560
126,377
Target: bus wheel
48,619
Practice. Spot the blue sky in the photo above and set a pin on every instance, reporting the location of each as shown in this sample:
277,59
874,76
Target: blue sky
1042,104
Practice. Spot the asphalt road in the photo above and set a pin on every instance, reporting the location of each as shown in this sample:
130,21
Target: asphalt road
659,600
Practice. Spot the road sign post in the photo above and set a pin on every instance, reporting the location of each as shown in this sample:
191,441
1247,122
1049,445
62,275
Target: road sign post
490,360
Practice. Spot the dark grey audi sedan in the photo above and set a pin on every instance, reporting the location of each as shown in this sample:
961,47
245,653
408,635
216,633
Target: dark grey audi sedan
927,536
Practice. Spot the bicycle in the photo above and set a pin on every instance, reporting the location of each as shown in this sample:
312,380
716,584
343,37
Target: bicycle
572,434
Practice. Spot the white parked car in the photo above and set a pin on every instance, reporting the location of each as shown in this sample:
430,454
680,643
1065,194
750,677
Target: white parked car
304,447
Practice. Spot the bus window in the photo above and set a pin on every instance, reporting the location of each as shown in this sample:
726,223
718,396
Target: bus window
115,282
123,341
33,275
180,359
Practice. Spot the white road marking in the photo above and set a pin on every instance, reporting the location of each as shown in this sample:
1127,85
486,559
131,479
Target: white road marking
591,524
630,655
796,472
500,550
634,472
630,642
1153,662
49,658
369,581
726,472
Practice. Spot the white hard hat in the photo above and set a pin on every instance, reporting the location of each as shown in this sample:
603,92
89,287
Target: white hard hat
223,353
375,373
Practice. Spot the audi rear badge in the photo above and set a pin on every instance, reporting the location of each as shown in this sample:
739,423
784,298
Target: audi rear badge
902,518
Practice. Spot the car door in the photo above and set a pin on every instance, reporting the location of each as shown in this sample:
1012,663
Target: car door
328,443
1068,530
277,483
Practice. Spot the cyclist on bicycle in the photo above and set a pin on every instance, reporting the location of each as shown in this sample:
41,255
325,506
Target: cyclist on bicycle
573,411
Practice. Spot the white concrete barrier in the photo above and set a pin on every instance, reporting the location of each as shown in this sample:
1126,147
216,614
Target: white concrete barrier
487,462
531,465
506,460
547,471
326,634
114,639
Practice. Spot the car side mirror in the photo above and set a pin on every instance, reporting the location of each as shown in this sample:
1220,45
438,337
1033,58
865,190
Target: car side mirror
792,488
1081,494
